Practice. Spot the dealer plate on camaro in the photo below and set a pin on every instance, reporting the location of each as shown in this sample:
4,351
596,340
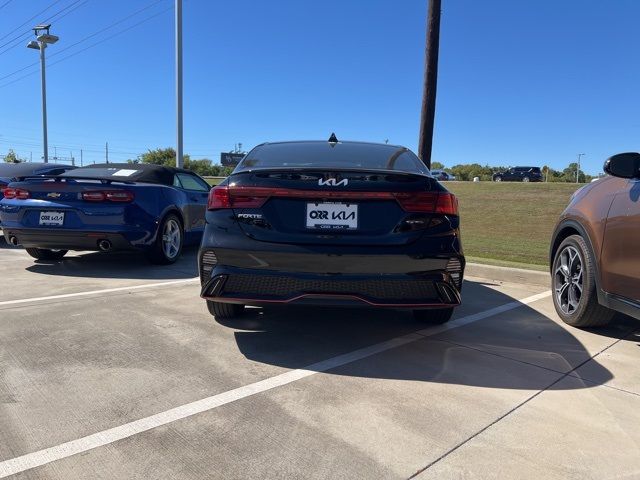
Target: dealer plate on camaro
332,215
52,218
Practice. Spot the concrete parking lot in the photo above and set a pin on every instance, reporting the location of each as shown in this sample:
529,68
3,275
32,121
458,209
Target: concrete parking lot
113,368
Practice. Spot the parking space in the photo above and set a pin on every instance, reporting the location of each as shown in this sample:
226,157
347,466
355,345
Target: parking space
112,368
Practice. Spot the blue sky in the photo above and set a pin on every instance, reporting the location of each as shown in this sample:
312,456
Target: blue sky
520,82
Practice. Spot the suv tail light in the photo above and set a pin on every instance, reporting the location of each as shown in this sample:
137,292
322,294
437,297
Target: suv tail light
17,193
111,196
225,196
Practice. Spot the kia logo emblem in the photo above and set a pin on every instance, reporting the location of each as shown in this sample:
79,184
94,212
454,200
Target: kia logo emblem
332,182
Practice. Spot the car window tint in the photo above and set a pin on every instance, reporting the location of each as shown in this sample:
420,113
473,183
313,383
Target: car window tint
191,182
176,182
332,155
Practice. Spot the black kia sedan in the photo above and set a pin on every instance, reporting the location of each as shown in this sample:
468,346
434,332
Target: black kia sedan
332,223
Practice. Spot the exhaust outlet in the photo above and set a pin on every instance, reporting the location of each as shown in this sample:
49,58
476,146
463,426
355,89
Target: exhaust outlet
13,241
104,245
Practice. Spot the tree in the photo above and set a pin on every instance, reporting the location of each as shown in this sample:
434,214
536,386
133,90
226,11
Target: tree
11,157
167,157
437,166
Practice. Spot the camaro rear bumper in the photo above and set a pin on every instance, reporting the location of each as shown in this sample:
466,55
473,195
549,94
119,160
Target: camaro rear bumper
66,239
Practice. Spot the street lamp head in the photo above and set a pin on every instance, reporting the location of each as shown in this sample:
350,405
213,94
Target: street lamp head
33,44
46,38
41,26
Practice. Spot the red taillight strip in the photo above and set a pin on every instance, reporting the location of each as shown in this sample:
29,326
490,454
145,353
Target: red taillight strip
111,195
225,196
17,193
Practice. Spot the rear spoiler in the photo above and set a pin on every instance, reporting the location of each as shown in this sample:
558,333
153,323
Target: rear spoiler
58,179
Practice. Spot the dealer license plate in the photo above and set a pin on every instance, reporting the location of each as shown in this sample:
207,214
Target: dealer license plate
52,218
332,215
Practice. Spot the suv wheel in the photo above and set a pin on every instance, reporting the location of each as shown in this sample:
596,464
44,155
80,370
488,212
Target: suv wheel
525,179
497,179
574,287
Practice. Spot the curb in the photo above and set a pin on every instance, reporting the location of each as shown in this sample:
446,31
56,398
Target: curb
508,274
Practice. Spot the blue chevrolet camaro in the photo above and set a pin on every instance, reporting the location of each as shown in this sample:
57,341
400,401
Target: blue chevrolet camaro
106,207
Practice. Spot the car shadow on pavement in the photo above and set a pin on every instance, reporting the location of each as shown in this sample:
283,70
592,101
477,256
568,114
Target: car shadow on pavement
518,349
122,265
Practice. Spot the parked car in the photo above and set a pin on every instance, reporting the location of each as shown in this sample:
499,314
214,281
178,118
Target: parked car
594,258
107,207
332,223
442,176
519,174
10,172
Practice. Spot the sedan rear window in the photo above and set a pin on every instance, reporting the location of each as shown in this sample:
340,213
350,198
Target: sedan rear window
349,155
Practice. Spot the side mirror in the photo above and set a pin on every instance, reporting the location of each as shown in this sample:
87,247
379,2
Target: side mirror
623,165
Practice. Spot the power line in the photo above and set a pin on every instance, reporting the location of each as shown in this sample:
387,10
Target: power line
25,23
5,4
21,37
86,48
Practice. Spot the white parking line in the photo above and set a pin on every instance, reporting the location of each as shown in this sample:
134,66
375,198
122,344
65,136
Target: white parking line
97,292
105,437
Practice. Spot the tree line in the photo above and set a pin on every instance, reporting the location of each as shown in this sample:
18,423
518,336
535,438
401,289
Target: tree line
468,171
167,157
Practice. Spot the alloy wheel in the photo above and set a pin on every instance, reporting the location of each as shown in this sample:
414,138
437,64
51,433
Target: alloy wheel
171,238
568,280
525,179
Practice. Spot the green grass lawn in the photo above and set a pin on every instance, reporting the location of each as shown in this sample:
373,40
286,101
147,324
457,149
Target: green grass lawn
510,223
507,224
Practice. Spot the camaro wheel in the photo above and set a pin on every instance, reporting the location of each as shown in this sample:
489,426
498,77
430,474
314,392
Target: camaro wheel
46,254
169,241
435,316
224,311
574,287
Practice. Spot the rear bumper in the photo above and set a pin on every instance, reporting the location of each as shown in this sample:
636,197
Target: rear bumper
66,239
434,289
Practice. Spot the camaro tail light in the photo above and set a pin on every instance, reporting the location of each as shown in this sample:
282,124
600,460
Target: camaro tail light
229,196
111,196
17,193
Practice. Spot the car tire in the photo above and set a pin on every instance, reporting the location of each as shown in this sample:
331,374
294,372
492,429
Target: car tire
573,285
225,311
434,316
169,241
525,179
497,179
46,254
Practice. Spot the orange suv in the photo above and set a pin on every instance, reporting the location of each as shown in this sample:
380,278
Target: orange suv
595,248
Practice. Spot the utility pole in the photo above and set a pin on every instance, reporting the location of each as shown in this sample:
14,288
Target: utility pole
106,152
578,169
73,162
81,157
179,158
427,115
30,156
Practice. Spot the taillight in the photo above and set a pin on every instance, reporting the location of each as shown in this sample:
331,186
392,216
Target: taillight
112,196
447,204
17,193
443,203
229,196
224,196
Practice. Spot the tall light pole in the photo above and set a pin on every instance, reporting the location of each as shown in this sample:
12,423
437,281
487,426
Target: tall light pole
179,158
41,42
578,169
